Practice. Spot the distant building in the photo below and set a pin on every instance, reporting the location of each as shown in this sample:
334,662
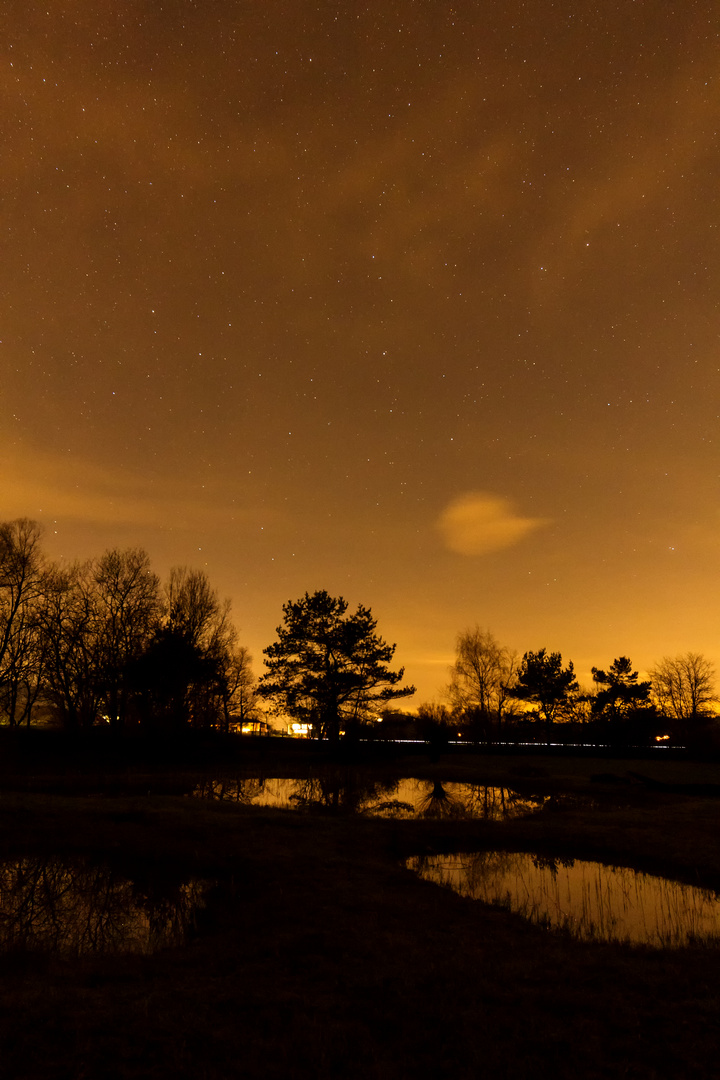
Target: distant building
250,727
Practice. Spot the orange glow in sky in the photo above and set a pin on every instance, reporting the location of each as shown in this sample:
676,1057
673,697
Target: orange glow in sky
415,303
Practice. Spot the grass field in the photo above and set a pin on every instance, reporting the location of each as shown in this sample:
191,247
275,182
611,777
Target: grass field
319,955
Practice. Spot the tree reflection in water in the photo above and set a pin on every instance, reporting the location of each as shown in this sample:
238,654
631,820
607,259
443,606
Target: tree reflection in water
439,804
344,793
74,907
588,900
349,793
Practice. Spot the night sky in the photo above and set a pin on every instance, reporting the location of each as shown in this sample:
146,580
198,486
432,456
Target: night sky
415,302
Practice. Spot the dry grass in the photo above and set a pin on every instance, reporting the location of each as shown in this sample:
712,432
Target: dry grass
322,957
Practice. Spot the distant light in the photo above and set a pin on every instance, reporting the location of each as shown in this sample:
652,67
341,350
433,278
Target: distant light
661,738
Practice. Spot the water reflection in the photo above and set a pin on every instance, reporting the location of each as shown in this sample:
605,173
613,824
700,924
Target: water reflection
407,798
591,901
74,907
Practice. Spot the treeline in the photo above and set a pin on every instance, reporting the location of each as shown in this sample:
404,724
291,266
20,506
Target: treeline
494,694
105,642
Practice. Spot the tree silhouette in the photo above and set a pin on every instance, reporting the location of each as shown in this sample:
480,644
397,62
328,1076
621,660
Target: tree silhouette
126,598
543,681
168,680
22,652
328,669
684,688
481,680
621,694
221,689
97,619
70,625
99,641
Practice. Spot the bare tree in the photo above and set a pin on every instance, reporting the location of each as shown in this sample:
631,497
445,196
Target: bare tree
481,678
127,603
684,689
21,585
199,623
238,688
98,618
101,643
22,676
69,620
194,609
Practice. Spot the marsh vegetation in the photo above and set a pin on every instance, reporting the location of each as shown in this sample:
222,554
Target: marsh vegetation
589,901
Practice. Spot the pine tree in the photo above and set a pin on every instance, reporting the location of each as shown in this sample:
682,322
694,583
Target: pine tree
329,669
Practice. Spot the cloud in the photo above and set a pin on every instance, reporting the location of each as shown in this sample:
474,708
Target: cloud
477,523
44,486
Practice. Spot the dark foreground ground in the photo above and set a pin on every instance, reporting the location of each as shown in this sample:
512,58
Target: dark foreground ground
321,956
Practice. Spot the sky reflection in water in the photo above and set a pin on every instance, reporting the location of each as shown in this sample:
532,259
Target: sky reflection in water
591,901
75,907
407,798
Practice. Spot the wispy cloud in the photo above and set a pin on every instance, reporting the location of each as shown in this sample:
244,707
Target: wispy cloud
478,523
40,485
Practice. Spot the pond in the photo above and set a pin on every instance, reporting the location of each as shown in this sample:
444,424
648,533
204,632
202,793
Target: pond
72,907
588,900
406,798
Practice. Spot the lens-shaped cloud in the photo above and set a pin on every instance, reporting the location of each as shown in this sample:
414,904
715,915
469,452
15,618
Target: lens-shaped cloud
477,523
